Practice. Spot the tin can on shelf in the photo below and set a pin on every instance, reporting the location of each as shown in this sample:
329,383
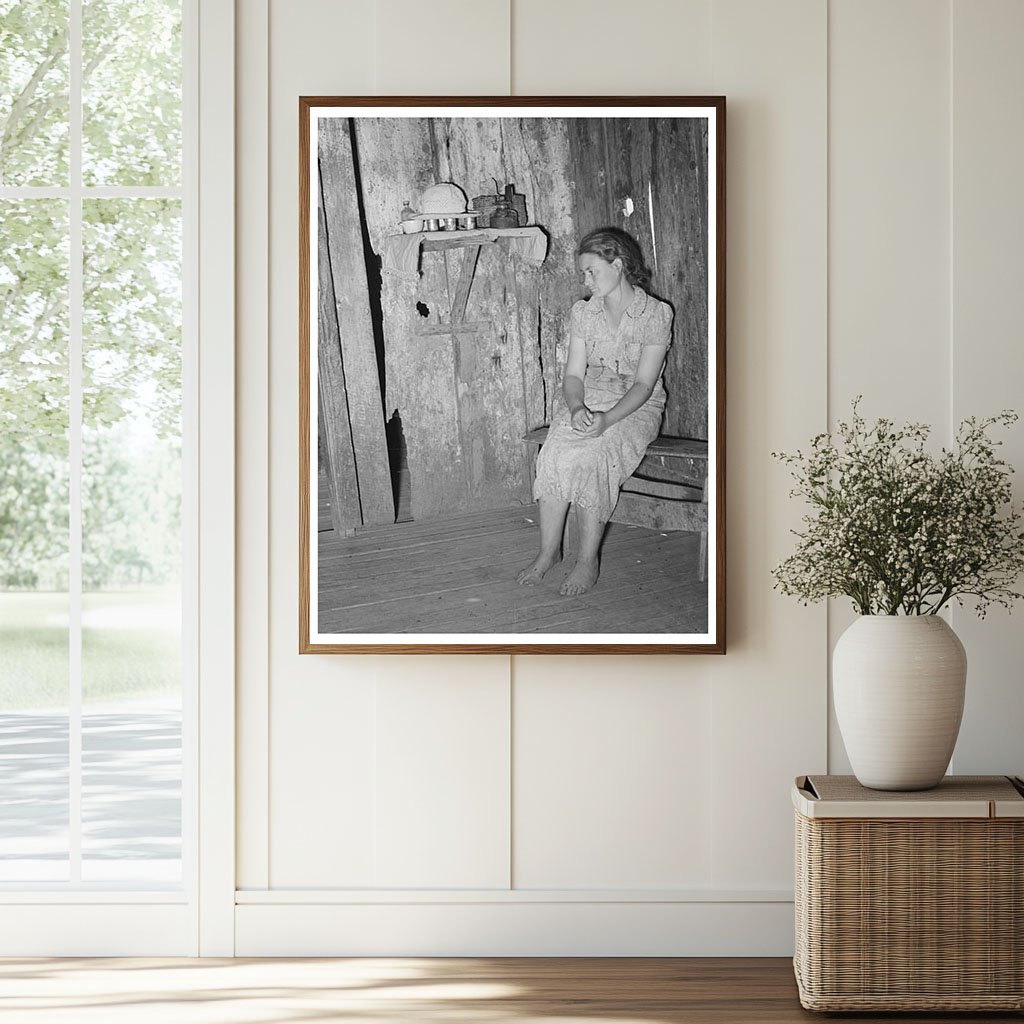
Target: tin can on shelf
431,224
450,223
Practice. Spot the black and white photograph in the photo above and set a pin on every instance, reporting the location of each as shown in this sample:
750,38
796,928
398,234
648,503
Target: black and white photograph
512,375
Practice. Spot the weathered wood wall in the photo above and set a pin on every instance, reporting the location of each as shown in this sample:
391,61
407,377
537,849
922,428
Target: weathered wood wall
349,384
661,165
466,399
396,157
335,450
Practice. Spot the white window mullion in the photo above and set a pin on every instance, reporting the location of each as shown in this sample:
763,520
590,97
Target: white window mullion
190,452
95,191
75,298
34,192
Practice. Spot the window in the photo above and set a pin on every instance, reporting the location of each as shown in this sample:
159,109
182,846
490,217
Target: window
95,463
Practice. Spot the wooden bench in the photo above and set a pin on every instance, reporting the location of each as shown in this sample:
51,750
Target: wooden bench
668,491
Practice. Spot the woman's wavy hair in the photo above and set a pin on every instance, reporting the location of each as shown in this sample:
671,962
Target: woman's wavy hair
611,243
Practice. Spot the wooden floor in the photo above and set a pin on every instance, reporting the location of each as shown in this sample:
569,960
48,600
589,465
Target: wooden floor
457,575
415,991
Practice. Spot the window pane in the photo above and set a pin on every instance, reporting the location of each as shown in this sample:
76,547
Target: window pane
131,741
131,92
33,540
33,92
131,541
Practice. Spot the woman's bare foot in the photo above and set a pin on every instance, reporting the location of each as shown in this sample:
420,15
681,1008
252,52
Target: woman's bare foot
534,572
580,580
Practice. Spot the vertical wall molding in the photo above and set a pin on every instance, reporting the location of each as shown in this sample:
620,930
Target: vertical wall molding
216,478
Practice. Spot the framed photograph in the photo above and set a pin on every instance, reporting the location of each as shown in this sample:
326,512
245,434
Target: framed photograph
512,374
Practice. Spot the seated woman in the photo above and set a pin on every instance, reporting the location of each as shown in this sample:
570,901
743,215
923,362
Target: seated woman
614,400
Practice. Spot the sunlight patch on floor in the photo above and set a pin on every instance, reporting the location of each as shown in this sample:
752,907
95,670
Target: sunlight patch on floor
277,991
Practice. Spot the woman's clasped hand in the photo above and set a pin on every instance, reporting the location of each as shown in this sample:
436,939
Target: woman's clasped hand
588,423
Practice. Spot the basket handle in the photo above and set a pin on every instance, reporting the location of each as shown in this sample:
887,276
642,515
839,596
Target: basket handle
806,787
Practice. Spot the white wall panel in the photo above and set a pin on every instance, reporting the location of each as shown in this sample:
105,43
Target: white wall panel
988,328
442,48
889,248
711,48
442,799
442,773
769,693
320,728
603,48
889,209
612,777
322,809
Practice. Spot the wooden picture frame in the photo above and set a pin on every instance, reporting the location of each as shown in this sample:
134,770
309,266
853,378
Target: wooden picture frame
430,364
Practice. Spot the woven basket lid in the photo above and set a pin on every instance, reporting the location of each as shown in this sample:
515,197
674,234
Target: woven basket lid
443,200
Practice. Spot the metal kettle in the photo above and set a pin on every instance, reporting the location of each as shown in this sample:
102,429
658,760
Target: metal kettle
505,216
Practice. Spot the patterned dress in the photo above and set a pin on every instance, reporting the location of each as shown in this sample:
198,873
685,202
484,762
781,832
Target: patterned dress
588,471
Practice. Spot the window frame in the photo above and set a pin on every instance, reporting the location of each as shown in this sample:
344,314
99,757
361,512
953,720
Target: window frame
69,918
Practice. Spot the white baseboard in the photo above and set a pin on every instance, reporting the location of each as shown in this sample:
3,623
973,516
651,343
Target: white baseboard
504,928
99,928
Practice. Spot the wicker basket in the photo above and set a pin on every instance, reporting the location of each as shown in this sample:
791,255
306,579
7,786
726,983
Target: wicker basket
910,901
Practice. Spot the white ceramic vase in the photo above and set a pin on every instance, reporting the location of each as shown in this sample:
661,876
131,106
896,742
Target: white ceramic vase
898,684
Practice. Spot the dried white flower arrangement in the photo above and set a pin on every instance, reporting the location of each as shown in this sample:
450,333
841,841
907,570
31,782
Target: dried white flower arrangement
900,530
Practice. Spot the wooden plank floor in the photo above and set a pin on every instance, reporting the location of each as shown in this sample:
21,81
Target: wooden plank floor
416,991
457,575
